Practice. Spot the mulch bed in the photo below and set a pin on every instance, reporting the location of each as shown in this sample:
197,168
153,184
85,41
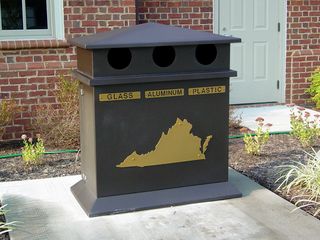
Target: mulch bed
280,150
56,165
264,169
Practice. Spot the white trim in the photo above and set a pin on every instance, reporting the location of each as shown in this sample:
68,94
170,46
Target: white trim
0,17
283,49
55,23
24,15
58,16
282,45
216,7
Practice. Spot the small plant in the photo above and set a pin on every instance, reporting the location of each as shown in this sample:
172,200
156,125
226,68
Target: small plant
7,111
303,128
5,227
314,89
234,119
32,151
303,178
254,142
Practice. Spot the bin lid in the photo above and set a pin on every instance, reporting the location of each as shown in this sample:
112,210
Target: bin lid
149,35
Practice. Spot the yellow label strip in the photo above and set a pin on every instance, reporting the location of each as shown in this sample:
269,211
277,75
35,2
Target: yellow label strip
161,93
206,90
119,96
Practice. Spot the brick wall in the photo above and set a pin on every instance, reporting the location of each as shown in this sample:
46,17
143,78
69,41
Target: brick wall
194,14
91,16
303,47
29,69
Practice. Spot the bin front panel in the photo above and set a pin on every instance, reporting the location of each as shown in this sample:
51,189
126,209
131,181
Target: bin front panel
161,135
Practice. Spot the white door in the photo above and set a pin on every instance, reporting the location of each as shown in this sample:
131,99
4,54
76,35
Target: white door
257,57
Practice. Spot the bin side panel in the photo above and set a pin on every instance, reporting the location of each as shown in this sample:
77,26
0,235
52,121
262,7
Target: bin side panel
88,137
85,61
138,128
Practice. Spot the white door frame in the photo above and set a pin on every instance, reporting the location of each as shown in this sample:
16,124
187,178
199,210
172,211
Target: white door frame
283,45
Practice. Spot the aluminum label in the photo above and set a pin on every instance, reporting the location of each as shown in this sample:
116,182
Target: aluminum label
164,93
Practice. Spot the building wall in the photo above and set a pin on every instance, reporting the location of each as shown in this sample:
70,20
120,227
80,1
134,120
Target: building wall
29,69
303,47
194,14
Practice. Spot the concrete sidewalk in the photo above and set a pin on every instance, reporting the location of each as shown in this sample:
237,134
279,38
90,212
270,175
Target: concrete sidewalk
48,211
278,116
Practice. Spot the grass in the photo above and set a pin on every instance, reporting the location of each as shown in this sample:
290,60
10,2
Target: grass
303,178
4,226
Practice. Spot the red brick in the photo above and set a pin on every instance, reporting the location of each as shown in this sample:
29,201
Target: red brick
53,65
16,95
24,59
10,88
195,3
17,66
45,72
28,102
48,58
174,15
27,73
7,136
89,23
13,129
37,93
36,80
35,65
153,4
3,66
48,100
115,9
17,80
89,10
46,86
77,17
28,87
4,81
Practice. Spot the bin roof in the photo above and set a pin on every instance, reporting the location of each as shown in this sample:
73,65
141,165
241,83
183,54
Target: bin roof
149,35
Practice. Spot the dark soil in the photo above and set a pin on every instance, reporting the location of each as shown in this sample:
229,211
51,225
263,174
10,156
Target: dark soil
56,165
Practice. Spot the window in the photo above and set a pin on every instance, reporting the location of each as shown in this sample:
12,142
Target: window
31,19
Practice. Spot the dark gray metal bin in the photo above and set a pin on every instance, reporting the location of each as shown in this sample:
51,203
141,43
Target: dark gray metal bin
154,118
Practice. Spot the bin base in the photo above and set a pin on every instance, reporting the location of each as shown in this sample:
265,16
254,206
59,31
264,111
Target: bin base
94,206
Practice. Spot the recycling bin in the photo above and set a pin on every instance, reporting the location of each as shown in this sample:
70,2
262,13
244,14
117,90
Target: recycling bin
154,105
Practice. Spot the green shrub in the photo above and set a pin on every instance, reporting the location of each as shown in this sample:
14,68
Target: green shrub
304,179
303,128
60,126
254,142
314,89
32,151
7,110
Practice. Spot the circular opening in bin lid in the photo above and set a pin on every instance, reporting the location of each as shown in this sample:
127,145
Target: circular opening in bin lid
119,58
163,56
206,53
